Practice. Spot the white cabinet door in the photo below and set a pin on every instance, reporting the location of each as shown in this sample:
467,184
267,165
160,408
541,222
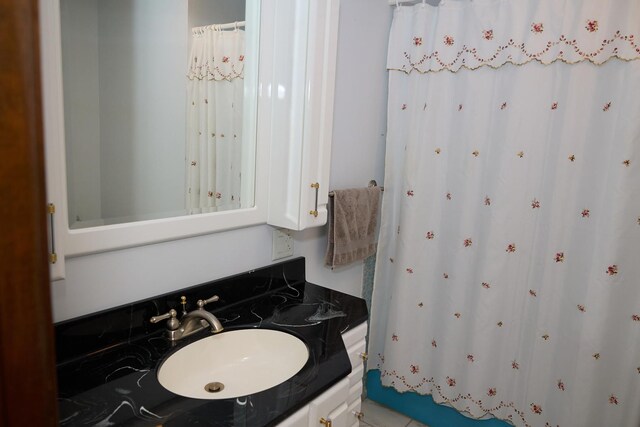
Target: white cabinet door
330,406
301,145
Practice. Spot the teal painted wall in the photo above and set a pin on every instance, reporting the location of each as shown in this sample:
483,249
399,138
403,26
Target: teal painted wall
421,408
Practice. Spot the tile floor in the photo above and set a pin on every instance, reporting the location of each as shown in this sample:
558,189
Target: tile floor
376,415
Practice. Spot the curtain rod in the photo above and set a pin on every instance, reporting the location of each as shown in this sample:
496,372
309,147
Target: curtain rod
229,26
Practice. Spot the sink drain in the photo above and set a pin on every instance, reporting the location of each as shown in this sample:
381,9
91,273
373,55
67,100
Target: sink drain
214,387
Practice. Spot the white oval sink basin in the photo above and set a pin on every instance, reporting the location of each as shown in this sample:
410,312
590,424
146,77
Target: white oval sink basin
244,361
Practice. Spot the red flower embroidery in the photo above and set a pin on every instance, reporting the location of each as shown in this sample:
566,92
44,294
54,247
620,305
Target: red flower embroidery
457,315
476,153
448,40
414,369
448,196
554,106
218,195
451,382
486,285
459,107
241,58
606,106
535,204
635,318
592,26
533,293
434,344
225,59
491,392
470,358
585,213
537,409
403,107
394,337
627,162
467,243
515,365
537,27
503,106
445,275
560,385
430,235
410,193
612,270
572,158
511,247
209,193
410,270
581,308
613,399
487,34
487,202
417,41
559,257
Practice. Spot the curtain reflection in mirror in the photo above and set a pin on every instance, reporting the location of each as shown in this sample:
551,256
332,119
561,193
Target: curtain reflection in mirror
214,118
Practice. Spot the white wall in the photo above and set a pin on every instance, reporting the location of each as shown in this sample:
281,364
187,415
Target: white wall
143,62
82,108
105,280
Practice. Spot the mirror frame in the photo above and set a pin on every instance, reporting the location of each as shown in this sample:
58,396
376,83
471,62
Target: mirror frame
77,242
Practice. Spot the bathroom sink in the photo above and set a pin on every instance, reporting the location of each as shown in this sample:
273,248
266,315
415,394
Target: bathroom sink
234,363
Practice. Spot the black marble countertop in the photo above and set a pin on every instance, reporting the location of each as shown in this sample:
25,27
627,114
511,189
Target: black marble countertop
107,361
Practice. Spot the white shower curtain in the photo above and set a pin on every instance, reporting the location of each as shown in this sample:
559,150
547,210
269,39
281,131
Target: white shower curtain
214,120
508,269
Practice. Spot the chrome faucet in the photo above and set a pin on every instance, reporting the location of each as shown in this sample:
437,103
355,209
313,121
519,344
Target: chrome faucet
191,322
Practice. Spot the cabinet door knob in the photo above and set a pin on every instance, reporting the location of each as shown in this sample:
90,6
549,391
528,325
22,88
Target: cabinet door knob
324,422
359,415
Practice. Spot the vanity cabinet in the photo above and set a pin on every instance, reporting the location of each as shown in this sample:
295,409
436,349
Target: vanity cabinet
340,405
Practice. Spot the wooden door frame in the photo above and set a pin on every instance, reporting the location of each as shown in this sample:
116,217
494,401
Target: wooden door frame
27,360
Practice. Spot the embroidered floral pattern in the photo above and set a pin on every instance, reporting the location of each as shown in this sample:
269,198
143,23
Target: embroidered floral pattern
491,392
537,27
554,106
410,270
612,270
475,153
470,358
448,196
434,344
503,106
511,248
410,193
430,235
572,158
414,369
515,365
467,243
417,41
533,293
585,213
535,204
559,257
487,202
607,106
581,308
627,163
448,40
520,154
451,382
613,399
487,34
486,285
635,317
536,409
592,26
560,385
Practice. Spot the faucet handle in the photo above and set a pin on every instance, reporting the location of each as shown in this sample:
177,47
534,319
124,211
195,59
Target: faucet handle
172,323
202,303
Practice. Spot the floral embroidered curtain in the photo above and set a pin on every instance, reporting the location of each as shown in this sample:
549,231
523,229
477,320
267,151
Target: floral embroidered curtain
215,91
507,271
465,34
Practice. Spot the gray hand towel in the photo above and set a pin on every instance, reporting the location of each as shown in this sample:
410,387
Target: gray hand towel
353,216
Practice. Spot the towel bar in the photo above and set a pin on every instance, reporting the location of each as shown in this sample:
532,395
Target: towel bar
372,183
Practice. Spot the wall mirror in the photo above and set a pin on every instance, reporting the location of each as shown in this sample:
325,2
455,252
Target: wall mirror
154,115
120,72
